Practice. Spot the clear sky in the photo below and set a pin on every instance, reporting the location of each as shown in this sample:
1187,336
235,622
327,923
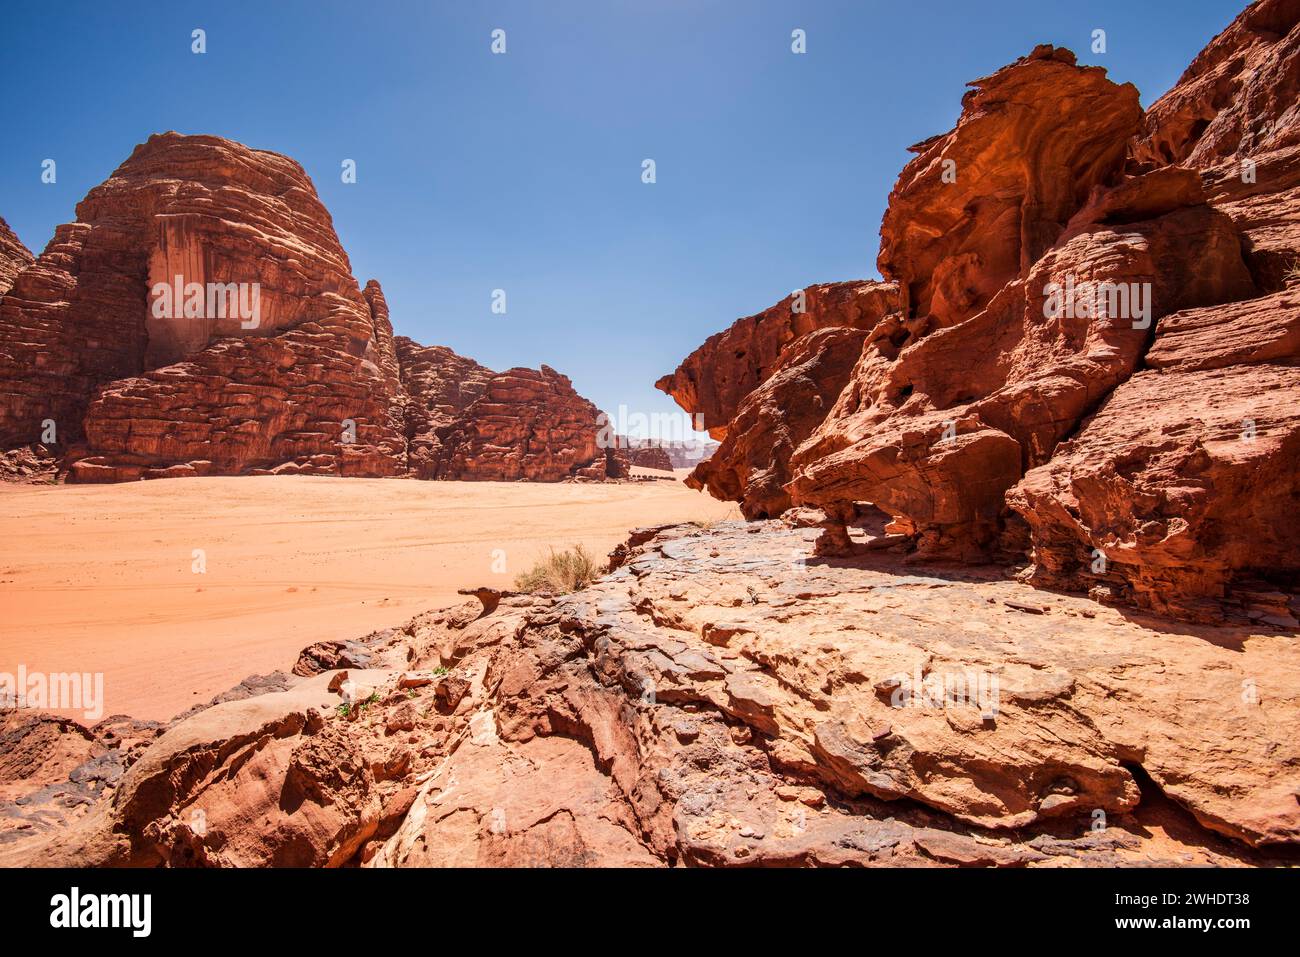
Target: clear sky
522,171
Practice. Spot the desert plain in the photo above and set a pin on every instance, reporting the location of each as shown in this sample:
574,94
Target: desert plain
101,578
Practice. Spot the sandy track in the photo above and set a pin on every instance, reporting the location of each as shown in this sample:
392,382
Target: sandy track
99,579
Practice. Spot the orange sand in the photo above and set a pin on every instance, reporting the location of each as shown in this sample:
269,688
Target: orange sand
98,578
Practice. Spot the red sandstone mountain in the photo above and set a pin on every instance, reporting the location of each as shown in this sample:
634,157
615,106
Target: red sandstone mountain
717,699
14,257
1150,455
309,378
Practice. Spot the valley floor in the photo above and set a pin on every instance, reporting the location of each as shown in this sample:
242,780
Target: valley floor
100,578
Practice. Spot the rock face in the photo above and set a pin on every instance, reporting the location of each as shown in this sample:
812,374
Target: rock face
711,382
440,386
715,701
1192,503
14,257
265,373
529,425
981,204
650,455
752,465
1235,117
1090,361
200,317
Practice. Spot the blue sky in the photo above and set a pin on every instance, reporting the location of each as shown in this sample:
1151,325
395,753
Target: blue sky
523,171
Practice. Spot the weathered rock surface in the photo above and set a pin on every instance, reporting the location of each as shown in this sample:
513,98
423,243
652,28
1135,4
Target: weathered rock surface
982,203
279,363
1235,117
752,465
14,257
1060,278
935,434
711,382
528,425
1192,503
724,699
440,386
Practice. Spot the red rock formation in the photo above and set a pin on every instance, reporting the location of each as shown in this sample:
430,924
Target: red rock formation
937,433
528,425
14,257
440,386
291,368
752,465
159,387
650,455
1235,116
711,382
1185,480
982,203
1052,290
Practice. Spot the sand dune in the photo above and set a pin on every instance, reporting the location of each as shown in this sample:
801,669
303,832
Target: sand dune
100,579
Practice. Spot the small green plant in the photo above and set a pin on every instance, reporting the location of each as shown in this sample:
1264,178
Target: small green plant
559,572
440,670
345,710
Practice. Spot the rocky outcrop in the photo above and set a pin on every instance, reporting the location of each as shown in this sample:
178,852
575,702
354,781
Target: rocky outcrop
650,455
529,425
440,387
711,382
200,318
1235,117
1186,508
979,205
264,355
936,432
14,257
1070,272
718,701
752,465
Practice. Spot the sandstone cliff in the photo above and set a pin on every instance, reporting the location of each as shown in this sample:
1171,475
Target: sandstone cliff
201,317
1092,353
14,257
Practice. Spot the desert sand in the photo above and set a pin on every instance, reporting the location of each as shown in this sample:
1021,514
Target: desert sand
100,579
